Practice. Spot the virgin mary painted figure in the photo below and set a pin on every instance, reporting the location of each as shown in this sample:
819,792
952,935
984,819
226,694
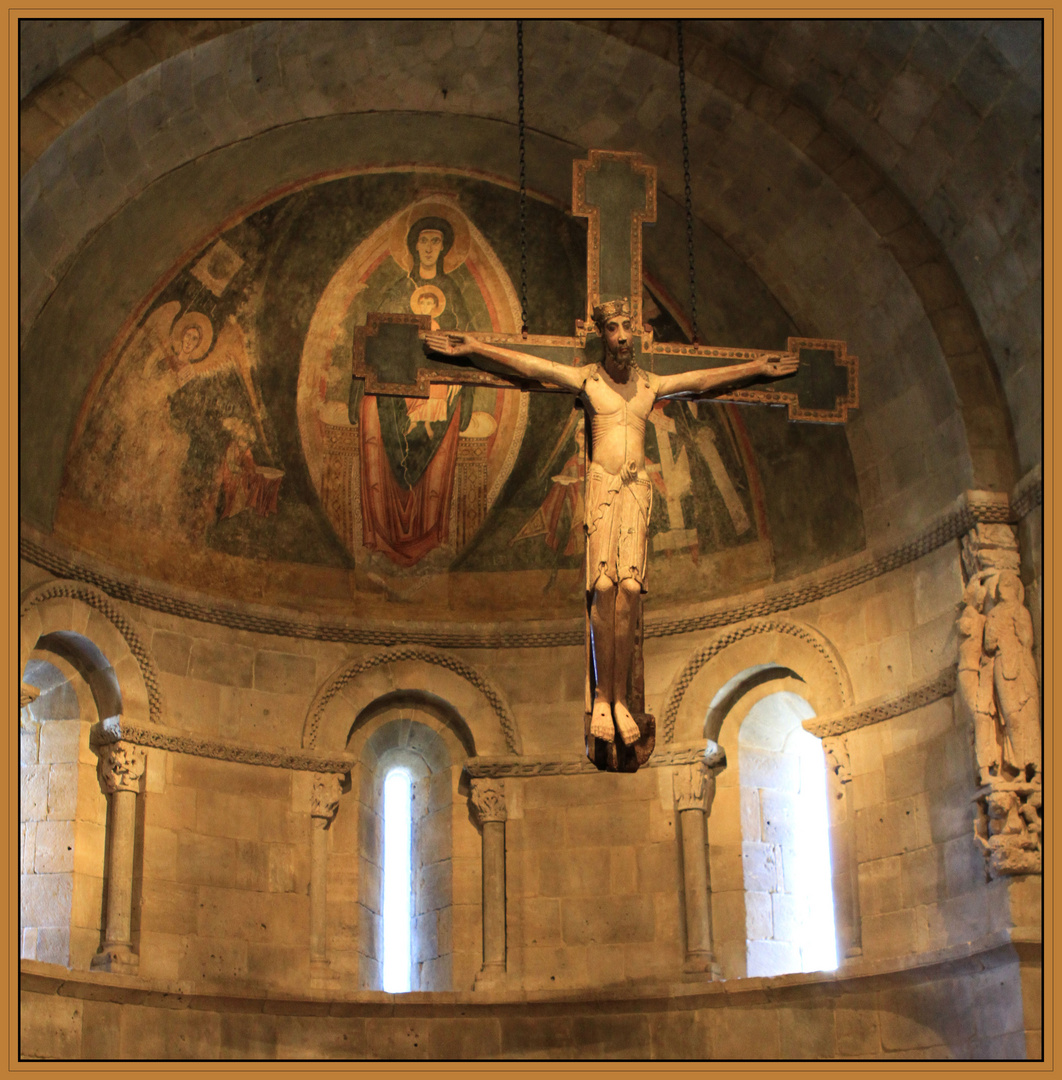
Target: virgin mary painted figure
411,498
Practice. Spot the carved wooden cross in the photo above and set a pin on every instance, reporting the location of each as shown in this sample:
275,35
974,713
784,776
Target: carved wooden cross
617,192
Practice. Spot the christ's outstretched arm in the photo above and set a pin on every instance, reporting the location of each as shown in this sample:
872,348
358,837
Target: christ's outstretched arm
522,364
707,380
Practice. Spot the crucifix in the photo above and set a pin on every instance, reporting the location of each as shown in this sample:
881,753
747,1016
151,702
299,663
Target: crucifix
618,373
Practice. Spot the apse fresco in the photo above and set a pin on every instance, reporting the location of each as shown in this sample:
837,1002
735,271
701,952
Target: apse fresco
231,436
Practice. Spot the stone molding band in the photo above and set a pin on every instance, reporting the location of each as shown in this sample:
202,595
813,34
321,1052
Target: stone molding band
942,685
970,509
118,728
503,767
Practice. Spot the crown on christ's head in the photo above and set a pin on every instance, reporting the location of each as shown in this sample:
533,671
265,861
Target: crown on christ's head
610,309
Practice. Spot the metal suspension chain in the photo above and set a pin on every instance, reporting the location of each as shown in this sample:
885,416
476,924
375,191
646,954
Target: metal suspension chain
523,174
689,190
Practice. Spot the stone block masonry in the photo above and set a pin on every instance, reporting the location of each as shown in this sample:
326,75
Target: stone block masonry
946,1008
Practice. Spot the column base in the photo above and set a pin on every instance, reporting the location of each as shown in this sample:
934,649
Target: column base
702,965
490,977
118,959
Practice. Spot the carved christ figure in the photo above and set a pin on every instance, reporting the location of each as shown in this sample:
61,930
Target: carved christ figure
618,397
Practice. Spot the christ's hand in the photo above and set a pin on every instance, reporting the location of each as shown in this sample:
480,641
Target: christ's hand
778,365
449,344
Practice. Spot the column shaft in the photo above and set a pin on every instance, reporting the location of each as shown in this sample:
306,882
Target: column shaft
494,894
120,876
695,880
318,890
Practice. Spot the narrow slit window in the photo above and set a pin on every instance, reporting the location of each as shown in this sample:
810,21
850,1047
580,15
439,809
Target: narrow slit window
790,922
397,881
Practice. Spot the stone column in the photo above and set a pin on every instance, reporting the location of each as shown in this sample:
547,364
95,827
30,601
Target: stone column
488,803
324,804
844,856
694,789
120,769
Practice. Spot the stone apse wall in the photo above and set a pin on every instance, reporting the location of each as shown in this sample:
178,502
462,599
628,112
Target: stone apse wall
217,674
255,855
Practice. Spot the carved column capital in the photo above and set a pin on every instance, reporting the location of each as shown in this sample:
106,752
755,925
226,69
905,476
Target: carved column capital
27,695
694,787
121,766
488,800
324,799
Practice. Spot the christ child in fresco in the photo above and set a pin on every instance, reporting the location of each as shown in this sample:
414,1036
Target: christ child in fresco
618,397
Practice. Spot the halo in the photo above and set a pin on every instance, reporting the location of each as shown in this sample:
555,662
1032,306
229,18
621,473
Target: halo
201,323
430,208
428,290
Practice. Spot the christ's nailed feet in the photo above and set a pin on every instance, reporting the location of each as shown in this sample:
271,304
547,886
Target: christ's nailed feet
626,724
601,726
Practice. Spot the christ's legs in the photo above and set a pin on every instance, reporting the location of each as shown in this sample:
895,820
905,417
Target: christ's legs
603,624
628,599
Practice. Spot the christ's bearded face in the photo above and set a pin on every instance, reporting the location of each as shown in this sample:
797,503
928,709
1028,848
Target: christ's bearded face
617,335
429,248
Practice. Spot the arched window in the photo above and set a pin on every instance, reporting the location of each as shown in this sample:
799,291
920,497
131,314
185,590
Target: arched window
62,810
400,837
785,840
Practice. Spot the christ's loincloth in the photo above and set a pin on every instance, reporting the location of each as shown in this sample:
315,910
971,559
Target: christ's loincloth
617,527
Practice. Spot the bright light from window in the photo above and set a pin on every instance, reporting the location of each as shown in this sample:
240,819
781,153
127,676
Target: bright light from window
397,880
783,776
818,945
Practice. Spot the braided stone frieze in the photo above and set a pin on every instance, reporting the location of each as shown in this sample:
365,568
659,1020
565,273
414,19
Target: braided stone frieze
311,629
394,656
972,508
117,728
101,602
942,685
724,641
500,767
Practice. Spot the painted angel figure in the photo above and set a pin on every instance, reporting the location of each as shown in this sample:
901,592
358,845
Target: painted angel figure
135,438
